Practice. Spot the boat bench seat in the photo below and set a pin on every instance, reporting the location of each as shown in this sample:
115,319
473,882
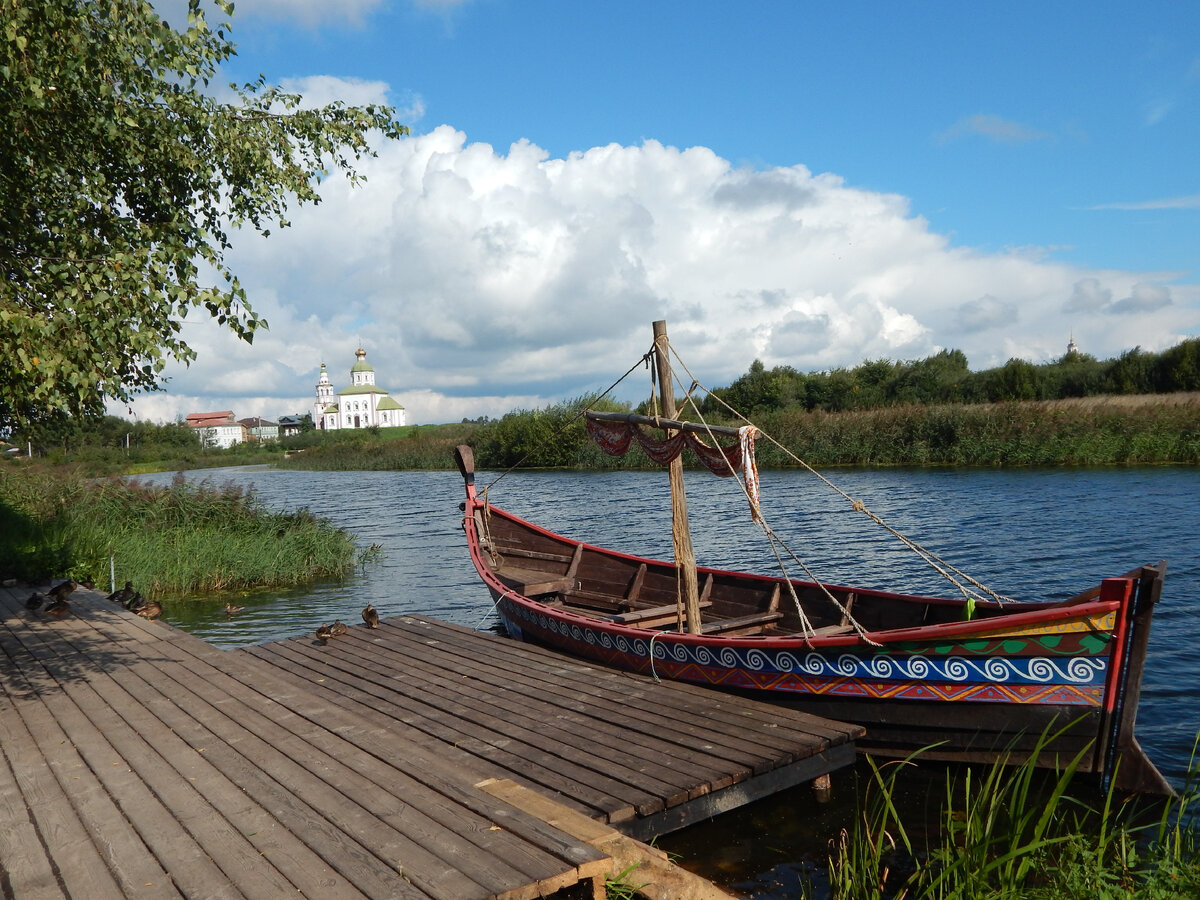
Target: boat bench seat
763,618
831,630
652,616
531,583
593,600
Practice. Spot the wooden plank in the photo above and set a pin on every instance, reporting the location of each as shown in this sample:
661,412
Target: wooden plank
531,583
743,731
740,622
773,726
703,808
73,814
661,879
505,749
516,885
340,798
329,765
149,789
635,586
641,616
574,736
425,774
612,728
24,863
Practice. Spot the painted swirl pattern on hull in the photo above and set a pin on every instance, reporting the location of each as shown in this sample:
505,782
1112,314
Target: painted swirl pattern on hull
1077,681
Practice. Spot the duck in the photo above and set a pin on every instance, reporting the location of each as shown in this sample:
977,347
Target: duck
324,632
124,595
35,601
58,607
371,616
337,628
136,603
151,609
231,610
63,588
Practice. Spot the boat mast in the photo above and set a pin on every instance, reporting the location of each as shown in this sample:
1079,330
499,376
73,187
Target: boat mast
681,536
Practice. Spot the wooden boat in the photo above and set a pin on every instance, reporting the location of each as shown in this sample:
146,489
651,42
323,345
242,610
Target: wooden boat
964,679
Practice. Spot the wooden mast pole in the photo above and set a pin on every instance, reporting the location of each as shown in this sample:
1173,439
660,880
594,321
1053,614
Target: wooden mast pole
685,558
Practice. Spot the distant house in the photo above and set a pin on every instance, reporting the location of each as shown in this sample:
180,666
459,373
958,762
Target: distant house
217,429
289,425
259,429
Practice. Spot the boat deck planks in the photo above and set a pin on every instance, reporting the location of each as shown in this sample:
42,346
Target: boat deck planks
137,760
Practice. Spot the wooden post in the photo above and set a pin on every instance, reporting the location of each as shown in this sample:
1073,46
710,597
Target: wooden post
685,557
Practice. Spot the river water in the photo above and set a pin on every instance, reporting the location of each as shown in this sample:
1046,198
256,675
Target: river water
1030,534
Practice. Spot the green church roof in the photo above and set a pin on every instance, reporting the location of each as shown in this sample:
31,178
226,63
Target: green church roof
388,403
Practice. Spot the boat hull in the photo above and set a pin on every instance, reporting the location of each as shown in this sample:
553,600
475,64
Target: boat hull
1059,679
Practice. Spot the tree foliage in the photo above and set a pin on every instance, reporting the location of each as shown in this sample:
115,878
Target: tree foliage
945,378
121,179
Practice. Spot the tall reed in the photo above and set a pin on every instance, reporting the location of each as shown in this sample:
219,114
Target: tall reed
181,539
1008,833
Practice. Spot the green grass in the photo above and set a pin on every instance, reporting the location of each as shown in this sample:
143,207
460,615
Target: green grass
1014,833
169,541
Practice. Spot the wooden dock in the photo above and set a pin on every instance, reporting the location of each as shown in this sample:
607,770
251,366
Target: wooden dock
139,761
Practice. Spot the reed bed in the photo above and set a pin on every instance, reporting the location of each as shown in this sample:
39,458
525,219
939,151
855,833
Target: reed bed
1016,833
426,448
1095,431
169,541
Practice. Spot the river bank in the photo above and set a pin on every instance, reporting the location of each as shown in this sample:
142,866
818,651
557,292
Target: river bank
1152,429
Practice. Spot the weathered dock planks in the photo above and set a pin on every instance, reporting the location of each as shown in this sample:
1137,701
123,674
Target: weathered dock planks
136,760
646,757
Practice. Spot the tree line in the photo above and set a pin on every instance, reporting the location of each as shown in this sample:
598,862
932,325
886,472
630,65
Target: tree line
944,379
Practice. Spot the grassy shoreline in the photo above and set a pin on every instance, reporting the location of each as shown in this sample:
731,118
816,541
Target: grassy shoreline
170,541
1155,429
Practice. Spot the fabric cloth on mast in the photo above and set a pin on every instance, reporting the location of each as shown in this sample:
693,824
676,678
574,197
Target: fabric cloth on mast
615,438
746,436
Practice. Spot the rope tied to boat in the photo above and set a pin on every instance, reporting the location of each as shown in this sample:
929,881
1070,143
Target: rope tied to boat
653,638
948,571
495,607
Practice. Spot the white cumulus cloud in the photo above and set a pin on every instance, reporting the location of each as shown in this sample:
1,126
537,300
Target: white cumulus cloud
480,280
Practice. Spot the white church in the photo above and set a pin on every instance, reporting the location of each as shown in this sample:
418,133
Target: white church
362,405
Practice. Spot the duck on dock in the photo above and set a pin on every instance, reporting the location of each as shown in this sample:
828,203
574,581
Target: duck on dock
124,595
136,602
151,609
60,590
58,607
326,631
370,616
35,601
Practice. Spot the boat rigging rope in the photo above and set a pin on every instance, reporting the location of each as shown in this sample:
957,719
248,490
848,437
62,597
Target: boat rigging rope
645,360
943,568
775,541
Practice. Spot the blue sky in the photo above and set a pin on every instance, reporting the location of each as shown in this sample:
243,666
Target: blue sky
811,184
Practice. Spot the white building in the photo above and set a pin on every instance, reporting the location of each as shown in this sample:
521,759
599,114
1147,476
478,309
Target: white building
362,405
217,429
